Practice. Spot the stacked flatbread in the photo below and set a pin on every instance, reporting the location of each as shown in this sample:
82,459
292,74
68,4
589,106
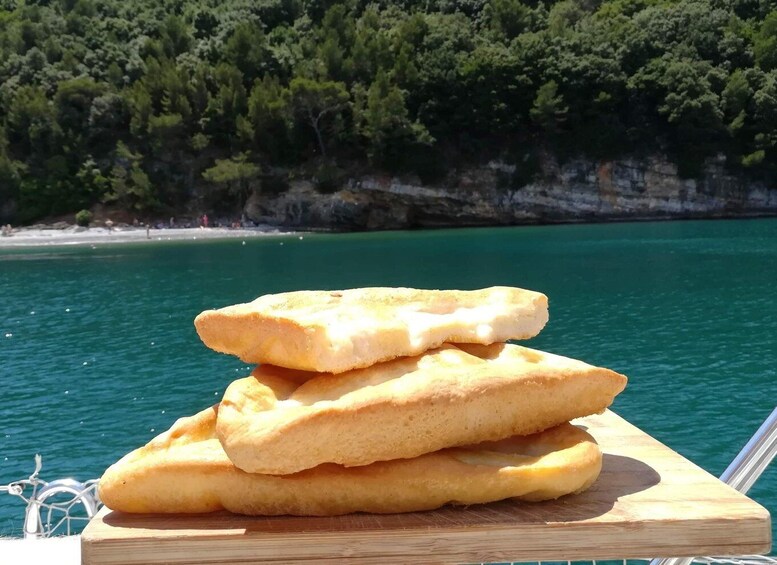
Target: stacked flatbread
378,400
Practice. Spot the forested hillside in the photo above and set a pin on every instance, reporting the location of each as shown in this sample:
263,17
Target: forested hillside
152,105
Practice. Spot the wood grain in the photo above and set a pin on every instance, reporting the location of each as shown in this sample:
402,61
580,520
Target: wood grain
648,502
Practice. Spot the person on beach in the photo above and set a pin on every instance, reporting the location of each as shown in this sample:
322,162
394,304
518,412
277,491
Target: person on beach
109,225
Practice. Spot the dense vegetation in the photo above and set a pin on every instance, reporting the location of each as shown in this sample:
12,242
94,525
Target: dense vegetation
151,105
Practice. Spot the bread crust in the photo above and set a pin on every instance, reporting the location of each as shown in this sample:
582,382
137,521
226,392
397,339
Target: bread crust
280,421
336,331
185,470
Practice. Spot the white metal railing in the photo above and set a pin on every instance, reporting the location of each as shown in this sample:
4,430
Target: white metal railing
743,471
52,508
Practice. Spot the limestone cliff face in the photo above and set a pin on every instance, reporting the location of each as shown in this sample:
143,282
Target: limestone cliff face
576,191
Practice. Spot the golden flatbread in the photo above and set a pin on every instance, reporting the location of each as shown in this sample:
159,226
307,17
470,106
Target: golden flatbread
185,470
336,331
280,421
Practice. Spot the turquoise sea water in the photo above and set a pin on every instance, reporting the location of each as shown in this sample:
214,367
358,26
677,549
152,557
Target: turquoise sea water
98,352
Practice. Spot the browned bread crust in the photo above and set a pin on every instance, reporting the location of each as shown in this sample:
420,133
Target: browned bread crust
184,470
335,331
281,421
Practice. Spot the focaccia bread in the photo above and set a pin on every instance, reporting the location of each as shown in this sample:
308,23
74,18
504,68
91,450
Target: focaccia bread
185,470
280,421
335,331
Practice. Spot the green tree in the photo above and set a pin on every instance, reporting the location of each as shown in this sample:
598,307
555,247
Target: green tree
332,57
92,180
765,113
174,35
563,16
765,43
247,50
385,123
232,177
109,118
32,126
141,109
176,90
497,93
226,104
735,100
548,110
166,134
73,106
129,186
268,116
690,100
11,172
372,47
335,39
507,18
318,104
438,99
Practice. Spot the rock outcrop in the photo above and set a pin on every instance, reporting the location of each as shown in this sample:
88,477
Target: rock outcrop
576,191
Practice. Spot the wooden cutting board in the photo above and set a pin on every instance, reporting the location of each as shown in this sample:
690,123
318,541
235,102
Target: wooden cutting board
648,502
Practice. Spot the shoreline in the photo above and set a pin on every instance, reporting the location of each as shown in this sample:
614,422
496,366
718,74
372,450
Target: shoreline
59,235
76,236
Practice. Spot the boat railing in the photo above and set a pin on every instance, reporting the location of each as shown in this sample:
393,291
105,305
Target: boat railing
743,471
54,508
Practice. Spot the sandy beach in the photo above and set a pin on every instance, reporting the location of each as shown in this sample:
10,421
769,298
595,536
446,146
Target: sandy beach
74,235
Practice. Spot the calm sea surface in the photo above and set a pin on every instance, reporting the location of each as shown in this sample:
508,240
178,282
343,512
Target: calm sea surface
98,352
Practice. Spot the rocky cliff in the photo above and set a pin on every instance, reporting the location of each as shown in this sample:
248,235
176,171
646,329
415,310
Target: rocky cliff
489,195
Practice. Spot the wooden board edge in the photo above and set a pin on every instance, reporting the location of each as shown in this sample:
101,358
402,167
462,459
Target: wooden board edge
753,536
